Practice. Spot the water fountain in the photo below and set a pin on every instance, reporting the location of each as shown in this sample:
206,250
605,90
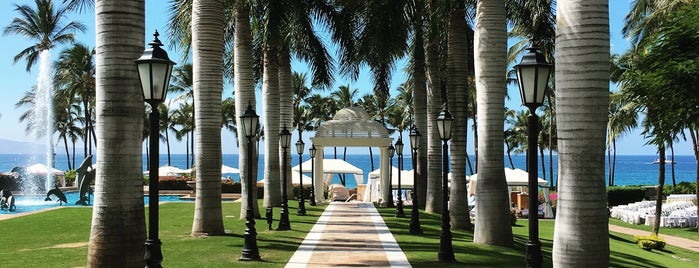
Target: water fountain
44,106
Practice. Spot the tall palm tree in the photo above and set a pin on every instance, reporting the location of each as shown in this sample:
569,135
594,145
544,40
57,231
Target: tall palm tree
622,119
582,35
435,65
181,82
118,229
182,118
244,96
164,126
457,88
74,73
492,226
416,16
207,62
44,25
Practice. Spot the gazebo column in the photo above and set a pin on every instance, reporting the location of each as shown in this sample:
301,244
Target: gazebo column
318,175
385,179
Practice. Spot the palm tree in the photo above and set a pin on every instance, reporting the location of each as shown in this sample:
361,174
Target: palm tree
244,96
207,55
435,66
457,88
416,16
181,82
164,126
118,229
44,25
582,206
74,73
182,117
492,226
622,119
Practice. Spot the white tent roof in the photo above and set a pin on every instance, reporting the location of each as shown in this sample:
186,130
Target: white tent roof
226,170
42,169
406,177
515,177
338,166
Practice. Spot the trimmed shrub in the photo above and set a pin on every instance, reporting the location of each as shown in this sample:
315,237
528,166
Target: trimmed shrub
649,242
620,195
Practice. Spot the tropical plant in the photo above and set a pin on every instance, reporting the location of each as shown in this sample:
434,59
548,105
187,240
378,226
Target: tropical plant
44,25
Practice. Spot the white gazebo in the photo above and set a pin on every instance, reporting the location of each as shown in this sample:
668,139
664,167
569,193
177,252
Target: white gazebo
351,127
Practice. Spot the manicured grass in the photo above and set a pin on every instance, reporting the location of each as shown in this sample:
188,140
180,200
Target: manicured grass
59,238
421,250
688,232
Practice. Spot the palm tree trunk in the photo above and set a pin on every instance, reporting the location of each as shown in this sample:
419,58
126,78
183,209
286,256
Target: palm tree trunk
661,186
582,35
167,144
672,167
457,89
493,213
433,147
65,143
207,56
286,112
270,100
420,103
118,223
244,96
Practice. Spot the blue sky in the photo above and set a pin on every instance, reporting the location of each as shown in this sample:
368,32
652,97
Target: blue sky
15,80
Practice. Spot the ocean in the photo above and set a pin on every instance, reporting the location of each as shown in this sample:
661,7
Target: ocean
630,169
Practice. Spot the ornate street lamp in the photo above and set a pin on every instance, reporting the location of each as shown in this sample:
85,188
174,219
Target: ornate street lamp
302,205
391,151
312,153
532,76
154,69
250,124
284,141
446,251
415,227
399,150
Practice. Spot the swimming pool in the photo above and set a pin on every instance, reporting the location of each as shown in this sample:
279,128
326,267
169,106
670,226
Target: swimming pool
29,203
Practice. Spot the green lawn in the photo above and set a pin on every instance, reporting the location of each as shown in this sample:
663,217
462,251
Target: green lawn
422,249
59,239
689,232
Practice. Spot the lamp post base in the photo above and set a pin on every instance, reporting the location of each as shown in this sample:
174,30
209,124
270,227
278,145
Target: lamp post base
312,202
415,227
533,258
250,250
400,213
284,224
154,255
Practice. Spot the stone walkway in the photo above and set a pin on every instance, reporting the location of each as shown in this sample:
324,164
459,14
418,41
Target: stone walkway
349,235
672,240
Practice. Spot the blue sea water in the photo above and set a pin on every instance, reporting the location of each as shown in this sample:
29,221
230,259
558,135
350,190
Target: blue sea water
630,169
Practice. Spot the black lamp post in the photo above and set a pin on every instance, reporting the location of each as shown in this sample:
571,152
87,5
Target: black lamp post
446,251
302,205
399,206
154,69
284,141
532,76
415,227
391,151
312,153
250,121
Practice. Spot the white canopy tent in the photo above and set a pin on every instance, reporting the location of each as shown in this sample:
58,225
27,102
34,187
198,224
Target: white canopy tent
371,193
350,127
517,177
330,168
43,169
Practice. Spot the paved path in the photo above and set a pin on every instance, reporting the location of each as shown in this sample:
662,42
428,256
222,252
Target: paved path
349,235
672,240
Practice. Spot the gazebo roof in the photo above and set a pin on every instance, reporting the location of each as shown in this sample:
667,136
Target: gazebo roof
351,122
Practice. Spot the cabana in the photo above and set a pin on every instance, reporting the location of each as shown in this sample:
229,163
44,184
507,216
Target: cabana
518,178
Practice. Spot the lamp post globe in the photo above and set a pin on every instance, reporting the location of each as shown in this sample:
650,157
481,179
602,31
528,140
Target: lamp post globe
532,77
400,213
284,141
154,69
250,124
391,151
302,205
415,227
446,250
312,154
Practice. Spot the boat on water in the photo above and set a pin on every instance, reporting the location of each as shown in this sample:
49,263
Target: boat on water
657,161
